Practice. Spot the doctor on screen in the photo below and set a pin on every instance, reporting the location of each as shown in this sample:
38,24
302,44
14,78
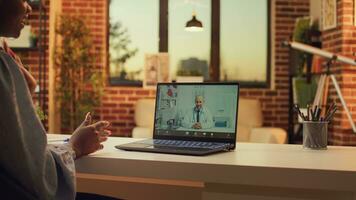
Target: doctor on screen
198,117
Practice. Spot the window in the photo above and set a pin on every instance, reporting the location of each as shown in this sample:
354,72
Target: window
133,33
243,40
234,46
189,51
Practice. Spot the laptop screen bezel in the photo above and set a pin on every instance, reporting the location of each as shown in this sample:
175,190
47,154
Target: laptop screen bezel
231,141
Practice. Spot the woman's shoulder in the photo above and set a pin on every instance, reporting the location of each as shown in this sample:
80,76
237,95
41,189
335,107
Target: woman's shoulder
5,59
3,55
5,66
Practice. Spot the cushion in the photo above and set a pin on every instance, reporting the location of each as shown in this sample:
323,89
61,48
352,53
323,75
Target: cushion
249,113
144,112
243,134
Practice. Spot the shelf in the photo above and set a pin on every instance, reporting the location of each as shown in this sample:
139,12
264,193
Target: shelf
21,49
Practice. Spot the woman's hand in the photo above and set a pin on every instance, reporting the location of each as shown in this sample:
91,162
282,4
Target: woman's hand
87,138
31,81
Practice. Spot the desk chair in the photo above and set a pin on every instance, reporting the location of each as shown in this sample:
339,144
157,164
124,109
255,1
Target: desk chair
144,117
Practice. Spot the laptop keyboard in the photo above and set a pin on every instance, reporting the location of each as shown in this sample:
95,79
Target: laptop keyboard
186,144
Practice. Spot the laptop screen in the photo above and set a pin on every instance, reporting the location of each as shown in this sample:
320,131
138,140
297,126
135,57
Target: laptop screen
196,110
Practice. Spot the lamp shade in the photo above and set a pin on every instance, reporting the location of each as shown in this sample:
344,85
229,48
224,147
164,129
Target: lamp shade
194,25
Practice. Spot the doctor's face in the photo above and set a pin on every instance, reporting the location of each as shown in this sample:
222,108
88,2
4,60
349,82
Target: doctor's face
199,102
13,17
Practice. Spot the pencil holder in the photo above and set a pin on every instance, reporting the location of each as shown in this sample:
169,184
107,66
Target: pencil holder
315,134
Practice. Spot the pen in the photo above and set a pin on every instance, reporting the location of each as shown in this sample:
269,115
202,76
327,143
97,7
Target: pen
318,111
312,114
296,108
58,140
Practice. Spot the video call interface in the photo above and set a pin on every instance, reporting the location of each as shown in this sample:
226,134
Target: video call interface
196,110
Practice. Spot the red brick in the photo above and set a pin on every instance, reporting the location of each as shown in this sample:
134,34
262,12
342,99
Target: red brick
143,92
119,111
126,92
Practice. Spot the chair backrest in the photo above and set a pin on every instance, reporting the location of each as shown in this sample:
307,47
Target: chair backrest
249,116
250,112
144,112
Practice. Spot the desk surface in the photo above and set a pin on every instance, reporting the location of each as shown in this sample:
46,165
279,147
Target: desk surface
275,165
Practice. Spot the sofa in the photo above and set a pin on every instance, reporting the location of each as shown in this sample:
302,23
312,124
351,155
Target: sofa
249,128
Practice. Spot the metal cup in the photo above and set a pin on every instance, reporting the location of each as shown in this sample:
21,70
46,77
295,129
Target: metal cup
315,135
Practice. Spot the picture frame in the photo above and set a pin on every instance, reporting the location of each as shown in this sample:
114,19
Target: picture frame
156,69
329,14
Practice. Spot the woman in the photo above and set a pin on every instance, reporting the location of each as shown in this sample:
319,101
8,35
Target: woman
43,171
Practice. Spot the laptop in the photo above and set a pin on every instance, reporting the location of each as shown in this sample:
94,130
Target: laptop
192,119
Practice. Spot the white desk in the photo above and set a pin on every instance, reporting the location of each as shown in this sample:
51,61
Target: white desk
252,172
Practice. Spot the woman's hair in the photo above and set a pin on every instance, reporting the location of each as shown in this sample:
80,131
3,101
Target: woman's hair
1,3
1,7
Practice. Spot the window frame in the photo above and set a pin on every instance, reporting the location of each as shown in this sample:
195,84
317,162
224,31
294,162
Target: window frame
214,67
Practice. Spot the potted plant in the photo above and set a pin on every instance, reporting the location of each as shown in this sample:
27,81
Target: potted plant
79,84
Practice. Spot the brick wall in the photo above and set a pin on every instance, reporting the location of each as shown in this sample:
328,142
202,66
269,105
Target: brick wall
118,107
342,40
118,102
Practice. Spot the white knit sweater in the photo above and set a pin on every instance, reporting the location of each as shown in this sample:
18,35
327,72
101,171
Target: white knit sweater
46,171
